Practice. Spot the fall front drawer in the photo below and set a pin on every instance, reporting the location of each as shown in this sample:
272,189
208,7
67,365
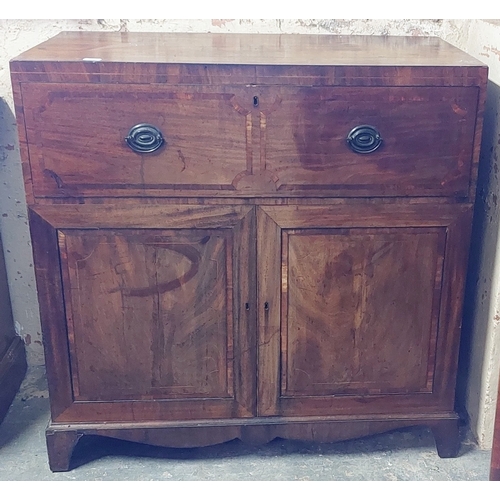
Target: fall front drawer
249,140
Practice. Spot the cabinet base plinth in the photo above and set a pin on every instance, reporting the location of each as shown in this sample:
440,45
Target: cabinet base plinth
62,438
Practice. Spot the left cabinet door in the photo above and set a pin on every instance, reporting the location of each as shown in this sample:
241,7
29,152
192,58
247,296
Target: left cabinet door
148,312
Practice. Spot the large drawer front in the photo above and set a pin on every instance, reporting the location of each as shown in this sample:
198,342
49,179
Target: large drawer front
249,140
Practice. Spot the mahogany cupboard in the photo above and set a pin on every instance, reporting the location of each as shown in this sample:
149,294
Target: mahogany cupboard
249,236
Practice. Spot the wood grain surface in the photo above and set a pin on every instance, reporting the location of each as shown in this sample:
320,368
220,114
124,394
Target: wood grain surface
61,439
220,141
427,136
205,133
172,287
365,296
254,277
240,48
150,315
360,310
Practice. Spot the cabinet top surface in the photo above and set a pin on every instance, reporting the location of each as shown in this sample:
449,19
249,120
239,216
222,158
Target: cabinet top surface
249,49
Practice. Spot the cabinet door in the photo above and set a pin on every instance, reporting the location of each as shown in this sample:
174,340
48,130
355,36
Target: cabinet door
155,324
359,308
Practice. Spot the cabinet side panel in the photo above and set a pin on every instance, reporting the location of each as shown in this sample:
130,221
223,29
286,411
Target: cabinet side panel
478,133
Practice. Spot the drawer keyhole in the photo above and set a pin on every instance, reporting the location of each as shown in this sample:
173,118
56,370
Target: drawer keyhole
255,101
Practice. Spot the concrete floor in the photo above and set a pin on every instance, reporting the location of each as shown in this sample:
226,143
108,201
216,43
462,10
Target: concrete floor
406,455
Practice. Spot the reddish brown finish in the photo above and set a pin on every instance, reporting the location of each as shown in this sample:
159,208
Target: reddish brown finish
172,286
205,131
248,49
23,143
299,145
233,74
427,140
60,446
63,438
50,298
352,322
254,278
179,288
360,304
157,58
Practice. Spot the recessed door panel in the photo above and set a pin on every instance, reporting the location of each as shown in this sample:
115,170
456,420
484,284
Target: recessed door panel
149,313
360,310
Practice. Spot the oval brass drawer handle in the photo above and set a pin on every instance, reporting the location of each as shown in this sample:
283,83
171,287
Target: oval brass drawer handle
364,139
144,138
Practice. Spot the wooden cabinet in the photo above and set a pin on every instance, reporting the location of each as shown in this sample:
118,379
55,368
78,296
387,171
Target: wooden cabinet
249,236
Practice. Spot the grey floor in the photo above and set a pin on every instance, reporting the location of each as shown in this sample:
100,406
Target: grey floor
406,455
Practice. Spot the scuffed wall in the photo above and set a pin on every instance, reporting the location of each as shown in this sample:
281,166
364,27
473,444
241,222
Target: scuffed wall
480,38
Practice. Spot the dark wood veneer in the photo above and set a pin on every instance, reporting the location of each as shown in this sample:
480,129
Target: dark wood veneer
61,439
243,49
253,278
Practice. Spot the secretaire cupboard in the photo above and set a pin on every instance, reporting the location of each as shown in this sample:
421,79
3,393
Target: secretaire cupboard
249,236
